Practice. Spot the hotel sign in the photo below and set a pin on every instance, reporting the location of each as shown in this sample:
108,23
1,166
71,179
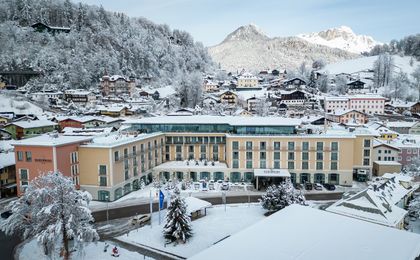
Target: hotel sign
272,172
43,160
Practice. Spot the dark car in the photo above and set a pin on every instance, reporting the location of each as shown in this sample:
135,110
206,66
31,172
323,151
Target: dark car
6,214
308,186
298,186
328,186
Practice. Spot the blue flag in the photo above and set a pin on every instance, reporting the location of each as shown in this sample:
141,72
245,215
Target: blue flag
161,198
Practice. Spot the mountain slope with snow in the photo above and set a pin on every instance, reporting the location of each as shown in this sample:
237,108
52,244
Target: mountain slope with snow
249,48
342,38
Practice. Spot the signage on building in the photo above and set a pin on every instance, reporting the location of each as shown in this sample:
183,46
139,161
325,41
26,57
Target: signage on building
272,172
43,160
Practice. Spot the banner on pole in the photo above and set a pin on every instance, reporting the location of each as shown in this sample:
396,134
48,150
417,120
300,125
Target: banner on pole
161,199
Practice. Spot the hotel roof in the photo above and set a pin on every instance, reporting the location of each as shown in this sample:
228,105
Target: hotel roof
118,139
51,140
230,120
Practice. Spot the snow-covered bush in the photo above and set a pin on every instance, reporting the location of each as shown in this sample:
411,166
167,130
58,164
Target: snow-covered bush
52,211
178,224
278,197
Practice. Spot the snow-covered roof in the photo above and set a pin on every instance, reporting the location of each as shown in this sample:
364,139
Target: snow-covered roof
7,159
369,206
117,139
407,141
230,120
298,232
401,124
384,130
377,143
340,112
392,188
85,119
194,204
33,123
78,92
75,131
387,163
51,140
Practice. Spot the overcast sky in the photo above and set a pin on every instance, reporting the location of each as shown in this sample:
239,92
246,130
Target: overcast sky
209,21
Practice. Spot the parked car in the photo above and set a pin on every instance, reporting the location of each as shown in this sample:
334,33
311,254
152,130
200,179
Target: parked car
140,219
298,186
308,186
6,214
317,186
225,186
328,186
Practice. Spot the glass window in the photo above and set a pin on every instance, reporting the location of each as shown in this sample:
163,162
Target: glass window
366,153
305,146
23,174
215,148
290,165
276,146
263,164
319,146
334,156
249,145
291,146
235,155
367,143
366,162
102,169
249,155
235,145
262,145
333,165
334,146
102,181
291,156
178,148
319,165
235,164
276,155
116,156
28,156
320,156
249,164
263,155
305,165
203,148
20,156
305,156
276,165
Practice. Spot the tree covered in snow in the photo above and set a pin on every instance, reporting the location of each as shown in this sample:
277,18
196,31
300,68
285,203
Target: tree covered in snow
382,70
323,84
409,46
54,212
278,197
414,206
190,89
341,84
178,225
262,106
416,75
98,41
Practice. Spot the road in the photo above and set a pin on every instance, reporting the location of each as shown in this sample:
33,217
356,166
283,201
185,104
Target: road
7,245
128,211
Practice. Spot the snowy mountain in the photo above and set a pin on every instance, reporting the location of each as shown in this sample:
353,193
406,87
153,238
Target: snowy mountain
343,38
250,48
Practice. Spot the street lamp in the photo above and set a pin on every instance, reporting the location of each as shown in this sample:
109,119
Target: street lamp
107,208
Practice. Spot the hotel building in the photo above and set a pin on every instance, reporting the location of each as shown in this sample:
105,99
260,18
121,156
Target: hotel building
226,148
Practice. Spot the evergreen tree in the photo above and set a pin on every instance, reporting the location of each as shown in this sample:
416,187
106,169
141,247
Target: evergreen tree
178,226
278,197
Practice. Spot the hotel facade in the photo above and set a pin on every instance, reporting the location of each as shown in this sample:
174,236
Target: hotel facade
235,149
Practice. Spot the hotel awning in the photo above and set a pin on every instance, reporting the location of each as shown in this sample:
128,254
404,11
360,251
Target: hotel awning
271,173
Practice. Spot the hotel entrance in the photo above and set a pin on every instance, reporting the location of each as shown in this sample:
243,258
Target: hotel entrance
267,177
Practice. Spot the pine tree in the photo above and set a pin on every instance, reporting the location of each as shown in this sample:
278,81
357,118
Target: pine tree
178,226
278,197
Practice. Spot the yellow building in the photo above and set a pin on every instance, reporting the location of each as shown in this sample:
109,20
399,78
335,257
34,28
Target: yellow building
247,81
113,166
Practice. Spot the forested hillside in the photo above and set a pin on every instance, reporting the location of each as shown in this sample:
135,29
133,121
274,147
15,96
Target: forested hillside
99,40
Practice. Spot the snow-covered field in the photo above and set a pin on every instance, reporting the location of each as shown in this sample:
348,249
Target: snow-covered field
207,230
32,250
18,105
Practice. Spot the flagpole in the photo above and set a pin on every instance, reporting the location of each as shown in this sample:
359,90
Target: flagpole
159,205
151,208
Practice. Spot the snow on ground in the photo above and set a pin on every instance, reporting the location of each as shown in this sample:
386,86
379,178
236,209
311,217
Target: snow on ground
18,105
32,250
207,230
366,63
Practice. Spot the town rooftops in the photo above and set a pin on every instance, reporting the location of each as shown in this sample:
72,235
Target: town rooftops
340,112
401,124
51,139
117,139
303,232
377,143
229,120
360,96
7,159
33,123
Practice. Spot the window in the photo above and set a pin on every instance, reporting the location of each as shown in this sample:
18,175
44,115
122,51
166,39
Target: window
320,156
319,146
235,155
333,165
380,151
319,165
334,146
74,157
249,164
366,153
249,155
20,156
291,156
305,165
249,145
191,148
102,181
367,143
235,145
290,165
263,164
235,164
24,177
334,156
116,156
262,146
366,162
215,148
276,146
102,169
28,156
276,165
178,148
134,150
125,152
291,146
305,156
276,155
263,155
305,146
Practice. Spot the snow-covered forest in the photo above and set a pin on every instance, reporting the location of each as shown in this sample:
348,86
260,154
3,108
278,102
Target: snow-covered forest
409,46
99,40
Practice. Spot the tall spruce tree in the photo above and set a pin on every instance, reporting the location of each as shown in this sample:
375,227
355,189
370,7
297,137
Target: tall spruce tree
178,226
278,197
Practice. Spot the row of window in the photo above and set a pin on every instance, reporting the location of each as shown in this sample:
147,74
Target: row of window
290,146
28,156
133,150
